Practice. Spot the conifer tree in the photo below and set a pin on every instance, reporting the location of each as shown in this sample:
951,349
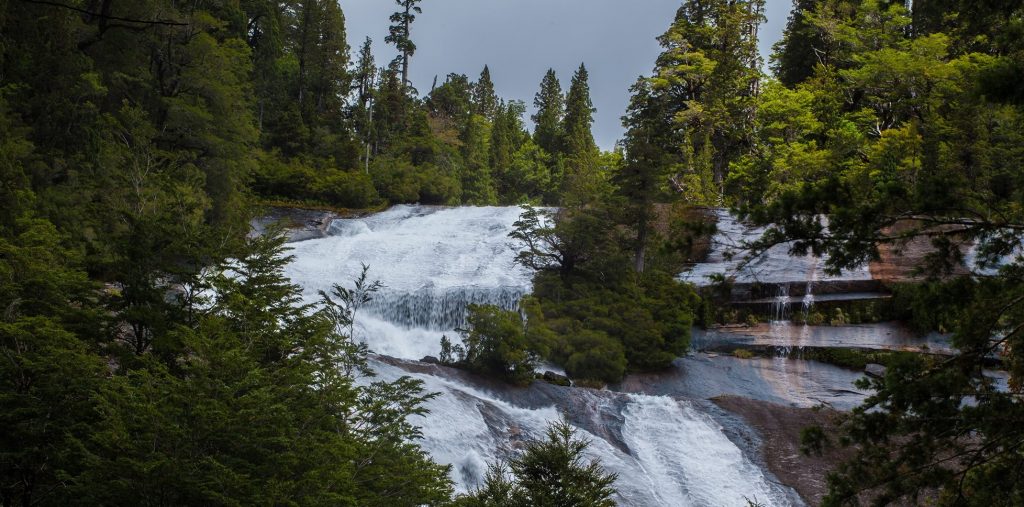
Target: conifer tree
485,101
643,177
364,75
550,104
507,137
579,116
581,177
550,471
709,72
477,181
399,34
322,53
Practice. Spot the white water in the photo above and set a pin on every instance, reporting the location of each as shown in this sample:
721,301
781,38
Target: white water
676,455
728,256
434,261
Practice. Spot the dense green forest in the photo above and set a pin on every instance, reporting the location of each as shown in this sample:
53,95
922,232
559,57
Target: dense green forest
153,353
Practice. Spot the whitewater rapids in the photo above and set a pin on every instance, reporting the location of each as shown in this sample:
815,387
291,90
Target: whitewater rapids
434,262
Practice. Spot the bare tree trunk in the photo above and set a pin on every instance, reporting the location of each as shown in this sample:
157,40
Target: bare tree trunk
405,54
640,254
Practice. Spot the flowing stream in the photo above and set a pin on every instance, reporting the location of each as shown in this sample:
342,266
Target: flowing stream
667,450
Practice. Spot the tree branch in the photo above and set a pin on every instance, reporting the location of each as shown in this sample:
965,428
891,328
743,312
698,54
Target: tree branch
105,16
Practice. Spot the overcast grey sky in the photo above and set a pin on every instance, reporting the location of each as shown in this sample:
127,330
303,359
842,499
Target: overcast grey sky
521,39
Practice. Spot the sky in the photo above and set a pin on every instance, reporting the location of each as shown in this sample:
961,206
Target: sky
520,39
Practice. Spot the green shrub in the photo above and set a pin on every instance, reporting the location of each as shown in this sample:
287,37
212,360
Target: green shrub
349,190
743,353
495,343
595,356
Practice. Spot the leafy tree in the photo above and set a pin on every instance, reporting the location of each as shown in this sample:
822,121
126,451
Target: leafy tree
884,141
707,77
495,342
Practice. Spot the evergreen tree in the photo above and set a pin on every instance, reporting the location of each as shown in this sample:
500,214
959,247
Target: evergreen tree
453,100
709,75
801,47
485,101
550,105
579,116
399,34
507,136
364,79
477,180
548,472
643,178
581,177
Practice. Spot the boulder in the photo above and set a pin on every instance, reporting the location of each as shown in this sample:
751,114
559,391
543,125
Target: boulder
875,370
555,378
430,360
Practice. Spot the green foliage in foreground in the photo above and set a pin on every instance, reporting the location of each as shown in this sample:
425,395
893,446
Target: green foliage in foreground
905,127
257,400
548,472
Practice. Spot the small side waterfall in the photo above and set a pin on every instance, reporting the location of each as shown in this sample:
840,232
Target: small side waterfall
781,304
808,300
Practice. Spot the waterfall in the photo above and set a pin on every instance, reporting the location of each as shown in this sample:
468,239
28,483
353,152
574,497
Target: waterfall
440,310
781,303
434,262
776,265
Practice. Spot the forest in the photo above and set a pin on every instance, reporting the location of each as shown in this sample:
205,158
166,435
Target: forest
152,352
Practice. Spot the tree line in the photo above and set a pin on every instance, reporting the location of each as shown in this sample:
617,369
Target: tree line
345,132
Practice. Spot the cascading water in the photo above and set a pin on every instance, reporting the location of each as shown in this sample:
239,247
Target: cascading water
433,261
436,261
781,304
812,276
776,265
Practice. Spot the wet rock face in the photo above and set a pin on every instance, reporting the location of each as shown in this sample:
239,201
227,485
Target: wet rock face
875,370
556,378
299,224
729,252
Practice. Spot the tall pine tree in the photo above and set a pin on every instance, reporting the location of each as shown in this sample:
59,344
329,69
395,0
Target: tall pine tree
550,104
399,34
485,101
581,173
